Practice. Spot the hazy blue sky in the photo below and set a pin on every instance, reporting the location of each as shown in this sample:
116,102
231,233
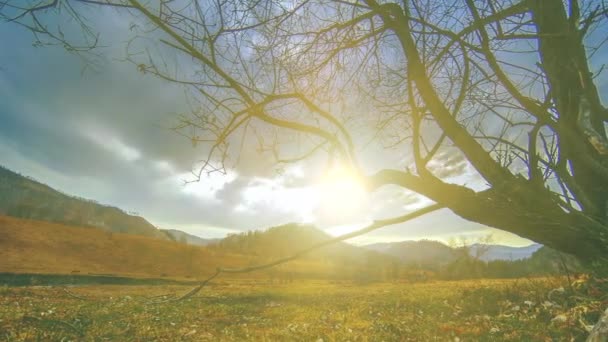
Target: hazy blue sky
103,134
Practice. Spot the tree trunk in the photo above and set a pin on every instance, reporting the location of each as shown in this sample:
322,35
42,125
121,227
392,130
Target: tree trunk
535,215
564,61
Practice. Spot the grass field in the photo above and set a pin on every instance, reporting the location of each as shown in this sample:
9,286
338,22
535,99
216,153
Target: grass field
229,310
37,247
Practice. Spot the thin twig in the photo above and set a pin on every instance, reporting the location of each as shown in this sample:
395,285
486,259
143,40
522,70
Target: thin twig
190,293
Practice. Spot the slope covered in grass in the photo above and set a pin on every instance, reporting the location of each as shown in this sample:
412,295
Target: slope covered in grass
28,246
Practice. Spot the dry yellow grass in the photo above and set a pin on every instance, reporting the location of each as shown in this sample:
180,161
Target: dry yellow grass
234,310
28,246
42,247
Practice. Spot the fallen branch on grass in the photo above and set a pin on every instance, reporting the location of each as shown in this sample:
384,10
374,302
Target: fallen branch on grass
190,293
374,226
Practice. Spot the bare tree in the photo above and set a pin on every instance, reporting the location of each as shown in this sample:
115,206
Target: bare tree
503,88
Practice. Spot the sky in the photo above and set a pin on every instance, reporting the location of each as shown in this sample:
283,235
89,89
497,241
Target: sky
103,133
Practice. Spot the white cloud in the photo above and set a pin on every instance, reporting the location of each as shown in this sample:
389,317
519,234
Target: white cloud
335,199
111,143
243,209
263,194
163,166
128,153
206,187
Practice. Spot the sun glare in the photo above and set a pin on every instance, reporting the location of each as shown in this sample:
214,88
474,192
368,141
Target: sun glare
342,194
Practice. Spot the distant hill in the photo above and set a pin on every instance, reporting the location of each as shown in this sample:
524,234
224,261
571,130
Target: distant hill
499,252
183,237
479,260
426,252
422,253
344,261
28,246
286,239
27,198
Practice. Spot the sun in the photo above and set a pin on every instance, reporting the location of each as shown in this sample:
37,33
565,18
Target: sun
342,194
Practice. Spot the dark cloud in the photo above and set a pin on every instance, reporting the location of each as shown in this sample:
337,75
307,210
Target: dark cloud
58,98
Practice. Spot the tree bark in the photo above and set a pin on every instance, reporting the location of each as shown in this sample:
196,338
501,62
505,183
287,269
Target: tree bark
575,97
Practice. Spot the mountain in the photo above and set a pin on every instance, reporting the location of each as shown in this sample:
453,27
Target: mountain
421,253
499,252
426,252
29,246
39,247
479,260
27,198
183,237
339,260
284,240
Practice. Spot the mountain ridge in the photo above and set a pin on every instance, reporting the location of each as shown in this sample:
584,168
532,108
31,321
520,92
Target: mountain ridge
491,252
419,251
187,238
27,198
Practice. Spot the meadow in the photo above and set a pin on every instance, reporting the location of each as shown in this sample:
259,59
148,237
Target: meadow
542,309
284,303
